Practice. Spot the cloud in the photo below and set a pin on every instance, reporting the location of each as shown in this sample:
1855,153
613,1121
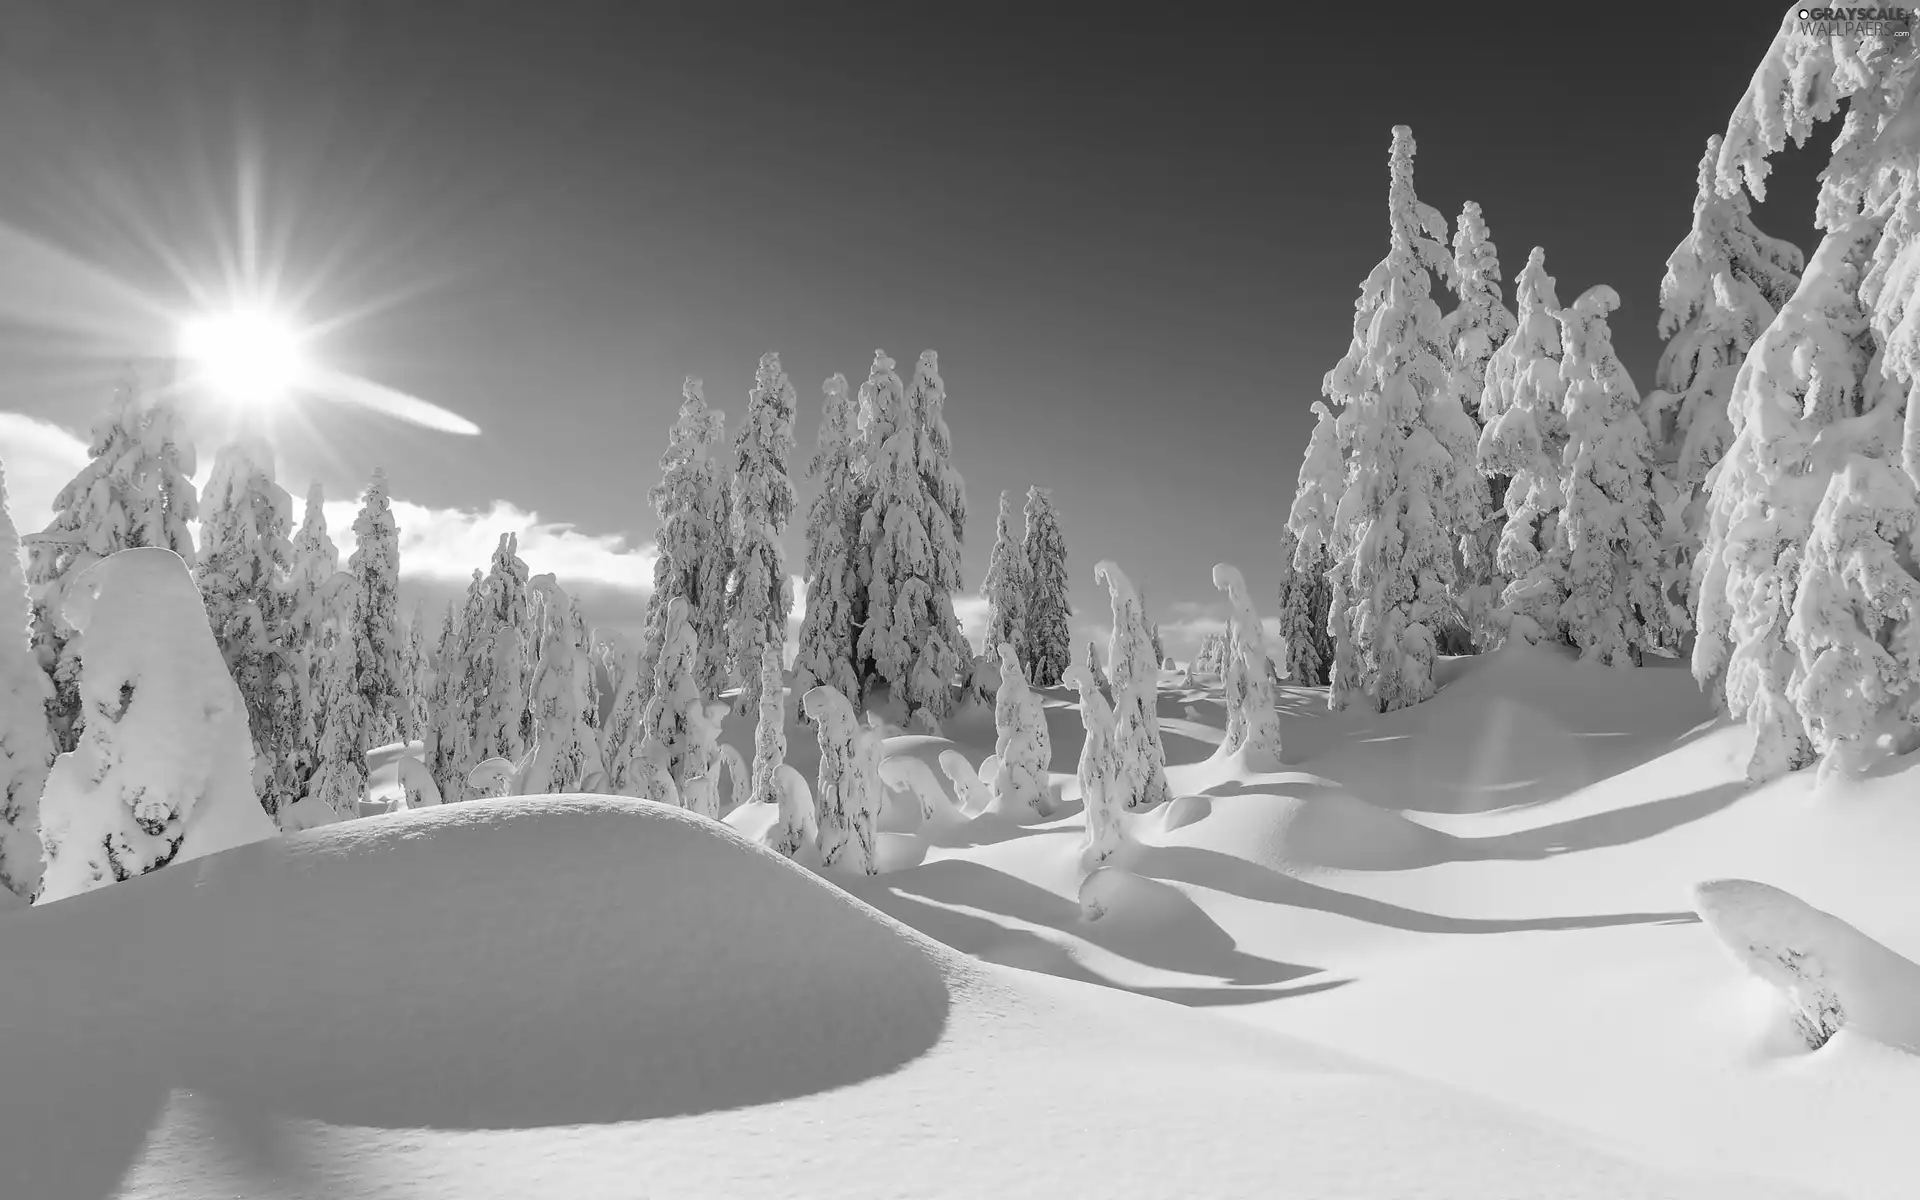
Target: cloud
40,459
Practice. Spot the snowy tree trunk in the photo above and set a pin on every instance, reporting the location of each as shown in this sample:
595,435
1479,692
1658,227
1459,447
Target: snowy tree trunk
770,735
1102,790
26,741
1136,688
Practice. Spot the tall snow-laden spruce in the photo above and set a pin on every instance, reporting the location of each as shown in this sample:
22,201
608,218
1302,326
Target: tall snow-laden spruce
910,538
677,749
1007,587
418,667
1304,597
446,750
1477,327
1259,721
1047,650
1724,284
848,791
1806,572
136,490
760,595
1521,447
163,770
563,699
1135,680
339,780
1309,564
696,552
500,659
375,564
827,631
245,567
1609,533
310,637
26,742
1393,552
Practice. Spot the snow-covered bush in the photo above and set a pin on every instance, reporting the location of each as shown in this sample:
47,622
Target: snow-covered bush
1048,647
1135,676
1251,699
848,793
163,770
1609,530
1103,791
759,594
1520,450
1393,550
910,537
1022,743
827,630
26,742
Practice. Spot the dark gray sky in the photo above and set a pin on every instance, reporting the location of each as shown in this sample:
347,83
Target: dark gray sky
1133,234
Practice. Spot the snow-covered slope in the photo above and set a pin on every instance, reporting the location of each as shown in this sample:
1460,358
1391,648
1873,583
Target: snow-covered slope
585,997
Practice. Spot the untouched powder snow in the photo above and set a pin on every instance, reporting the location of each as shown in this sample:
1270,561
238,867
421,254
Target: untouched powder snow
498,1003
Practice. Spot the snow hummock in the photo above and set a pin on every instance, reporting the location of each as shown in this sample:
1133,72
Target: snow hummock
486,1011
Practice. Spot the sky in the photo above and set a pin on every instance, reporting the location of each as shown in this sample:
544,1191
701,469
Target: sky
1134,239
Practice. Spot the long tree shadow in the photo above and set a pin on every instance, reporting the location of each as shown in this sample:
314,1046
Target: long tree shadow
1617,827
1027,951
1185,939
1223,872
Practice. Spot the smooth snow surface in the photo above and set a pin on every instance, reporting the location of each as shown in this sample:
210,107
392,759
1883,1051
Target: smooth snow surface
499,1002
1449,951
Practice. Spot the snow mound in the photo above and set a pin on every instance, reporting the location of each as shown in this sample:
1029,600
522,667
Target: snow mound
485,965
1184,811
1326,829
1832,975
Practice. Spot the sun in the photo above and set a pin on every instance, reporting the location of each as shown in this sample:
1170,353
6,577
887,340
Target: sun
248,357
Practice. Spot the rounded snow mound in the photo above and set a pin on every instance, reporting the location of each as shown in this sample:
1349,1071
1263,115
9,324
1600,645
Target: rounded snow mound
1327,830
498,964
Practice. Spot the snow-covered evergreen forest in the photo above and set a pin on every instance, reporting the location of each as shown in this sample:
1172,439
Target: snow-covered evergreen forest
1553,652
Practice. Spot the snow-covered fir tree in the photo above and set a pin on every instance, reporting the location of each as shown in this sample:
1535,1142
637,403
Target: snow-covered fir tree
1103,792
1048,649
832,580
1477,327
565,705
1520,450
910,538
1153,629
848,791
760,595
1304,596
1809,394
1609,531
678,733
417,667
136,490
339,780
1855,628
1393,552
445,748
1211,658
1135,679
375,565
163,769
310,635
770,734
26,741
1007,586
499,665
1021,742
245,564
696,549
1259,721
1724,284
